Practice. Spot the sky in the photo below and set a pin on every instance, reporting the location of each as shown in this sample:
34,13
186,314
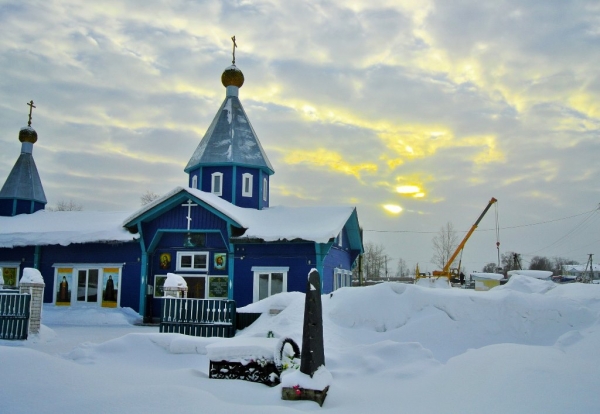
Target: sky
525,347
415,112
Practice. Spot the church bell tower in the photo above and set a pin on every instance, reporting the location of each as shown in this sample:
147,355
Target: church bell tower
22,192
229,161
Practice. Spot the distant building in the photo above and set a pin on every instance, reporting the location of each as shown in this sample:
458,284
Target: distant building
576,271
218,231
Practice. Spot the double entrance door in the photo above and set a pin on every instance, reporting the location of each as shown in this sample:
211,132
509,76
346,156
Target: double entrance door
87,285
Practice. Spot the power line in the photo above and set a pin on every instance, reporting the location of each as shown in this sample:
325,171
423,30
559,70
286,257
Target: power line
494,229
569,233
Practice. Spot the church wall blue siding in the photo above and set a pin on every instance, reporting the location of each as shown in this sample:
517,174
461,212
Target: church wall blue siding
248,202
176,219
24,207
299,257
175,241
227,180
96,253
22,254
173,224
6,207
336,258
92,253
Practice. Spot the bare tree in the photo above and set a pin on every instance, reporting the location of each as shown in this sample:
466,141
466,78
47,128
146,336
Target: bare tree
510,261
402,268
374,261
490,268
540,263
63,205
559,262
148,197
444,244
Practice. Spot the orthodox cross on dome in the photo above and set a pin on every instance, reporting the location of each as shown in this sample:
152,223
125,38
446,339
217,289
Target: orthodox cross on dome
234,46
189,205
31,106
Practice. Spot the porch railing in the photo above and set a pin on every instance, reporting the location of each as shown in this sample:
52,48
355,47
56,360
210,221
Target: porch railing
198,317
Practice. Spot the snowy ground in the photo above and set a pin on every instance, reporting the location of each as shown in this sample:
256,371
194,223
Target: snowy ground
529,346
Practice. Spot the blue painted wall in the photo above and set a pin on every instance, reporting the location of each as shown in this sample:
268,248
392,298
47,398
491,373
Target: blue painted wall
299,257
336,258
248,202
11,207
206,181
92,253
176,219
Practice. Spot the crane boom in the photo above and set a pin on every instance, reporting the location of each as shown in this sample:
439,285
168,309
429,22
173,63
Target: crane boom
446,270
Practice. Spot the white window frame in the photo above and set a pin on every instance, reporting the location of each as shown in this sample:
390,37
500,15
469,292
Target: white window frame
194,181
213,188
11,265
265,189
261,270
247,189
75,268
180,255
341,278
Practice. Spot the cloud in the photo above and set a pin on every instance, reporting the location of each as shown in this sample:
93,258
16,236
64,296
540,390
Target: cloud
464,100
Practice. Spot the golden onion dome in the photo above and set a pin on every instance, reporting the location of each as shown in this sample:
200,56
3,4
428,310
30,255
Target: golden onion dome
232,76
28,134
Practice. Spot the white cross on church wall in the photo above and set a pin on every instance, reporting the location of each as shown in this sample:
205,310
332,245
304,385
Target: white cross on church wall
189,205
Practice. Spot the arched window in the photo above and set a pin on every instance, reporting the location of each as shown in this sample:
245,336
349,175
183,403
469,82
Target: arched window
217,184
247,185
265,189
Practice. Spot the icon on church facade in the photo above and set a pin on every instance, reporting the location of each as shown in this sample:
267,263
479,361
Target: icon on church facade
64,278
220,261
165,261
110,288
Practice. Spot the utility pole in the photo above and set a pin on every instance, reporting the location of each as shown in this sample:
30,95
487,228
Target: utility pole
588,275
386,271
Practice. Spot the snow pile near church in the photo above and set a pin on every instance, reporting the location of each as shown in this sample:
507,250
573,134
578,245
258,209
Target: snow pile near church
31,275
528,346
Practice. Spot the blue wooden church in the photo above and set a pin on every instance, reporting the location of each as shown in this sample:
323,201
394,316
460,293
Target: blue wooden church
218,231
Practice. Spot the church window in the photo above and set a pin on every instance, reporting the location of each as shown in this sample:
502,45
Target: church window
217,184
197,261
269,281
10,274
247,185
341,278
265,189
196,285
87,283
194,181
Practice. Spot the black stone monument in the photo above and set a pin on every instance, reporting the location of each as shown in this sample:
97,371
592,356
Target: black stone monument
313,353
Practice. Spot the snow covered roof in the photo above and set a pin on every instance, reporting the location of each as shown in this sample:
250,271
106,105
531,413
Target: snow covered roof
230,139
581,268
23,181
538,274
318,224
487,276
62,227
